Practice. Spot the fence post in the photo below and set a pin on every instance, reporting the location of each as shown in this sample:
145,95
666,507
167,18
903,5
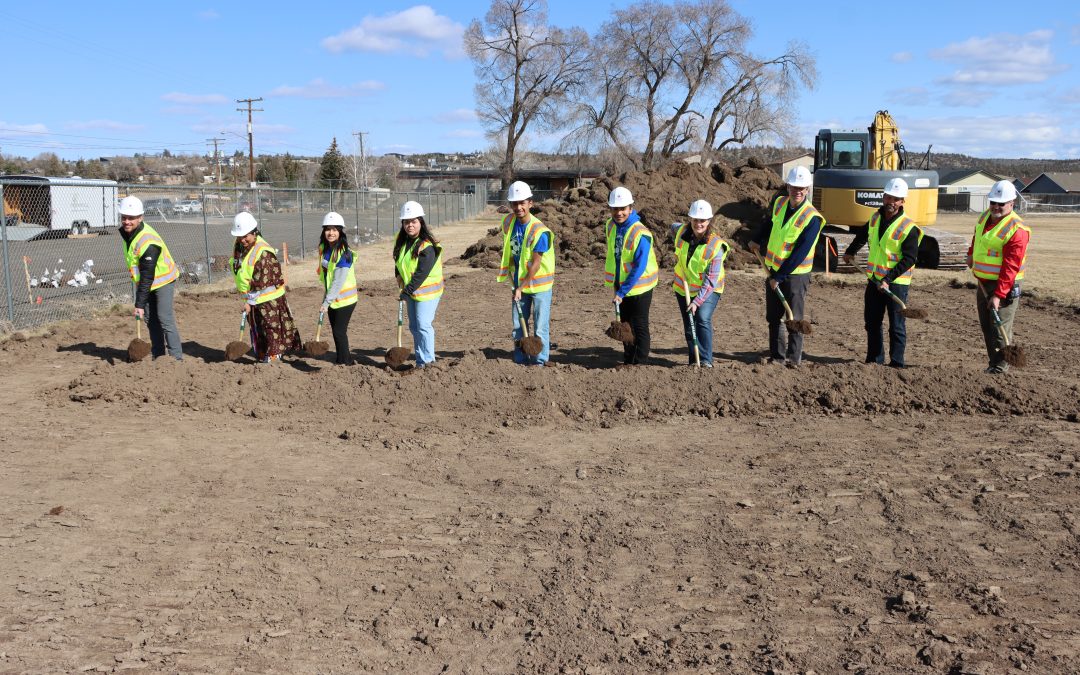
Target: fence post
206,239
303,253
7,259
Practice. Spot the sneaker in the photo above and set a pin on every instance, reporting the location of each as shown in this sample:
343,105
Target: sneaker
706,365
794,365
994,370
776,361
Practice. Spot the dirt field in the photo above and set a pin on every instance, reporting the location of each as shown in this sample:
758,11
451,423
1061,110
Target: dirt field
480,517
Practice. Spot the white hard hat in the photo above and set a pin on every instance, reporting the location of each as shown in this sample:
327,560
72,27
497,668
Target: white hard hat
410,210
243,223
518,192
131,206
701,209
799,177
897,187
619,198
1003,191
333,219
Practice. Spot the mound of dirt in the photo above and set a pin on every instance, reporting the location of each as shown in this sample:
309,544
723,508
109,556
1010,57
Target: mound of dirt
661,197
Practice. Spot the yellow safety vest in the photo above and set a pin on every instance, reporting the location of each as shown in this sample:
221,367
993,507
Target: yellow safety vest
348,295
987,250
634,233
783,235
694,269
545,276
244,269
406,265
165,272
885,250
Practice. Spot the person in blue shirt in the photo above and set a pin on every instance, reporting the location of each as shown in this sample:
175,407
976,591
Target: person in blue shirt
630,270
528,263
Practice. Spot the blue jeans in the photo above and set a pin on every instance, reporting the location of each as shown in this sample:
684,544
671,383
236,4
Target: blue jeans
875,306
161,322
421,314
536,307
703,324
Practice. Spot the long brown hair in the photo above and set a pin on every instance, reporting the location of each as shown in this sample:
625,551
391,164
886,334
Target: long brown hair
424,234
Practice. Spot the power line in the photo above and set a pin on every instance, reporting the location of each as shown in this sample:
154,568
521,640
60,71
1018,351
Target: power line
217,157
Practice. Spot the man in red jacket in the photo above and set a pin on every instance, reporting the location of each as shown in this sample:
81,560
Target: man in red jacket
997,256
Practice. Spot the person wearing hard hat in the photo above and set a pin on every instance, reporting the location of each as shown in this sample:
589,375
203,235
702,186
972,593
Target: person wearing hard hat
894,248
788,239
997,257
418,268
154,273
528,263
699,270
630,270
258,277
337,275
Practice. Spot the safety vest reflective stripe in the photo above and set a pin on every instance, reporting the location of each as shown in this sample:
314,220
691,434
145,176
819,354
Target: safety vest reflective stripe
886,248
782,236
165,271
255,295
988,248
545,274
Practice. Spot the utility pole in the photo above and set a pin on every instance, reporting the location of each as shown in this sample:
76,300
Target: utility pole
217,157
251,141
363,158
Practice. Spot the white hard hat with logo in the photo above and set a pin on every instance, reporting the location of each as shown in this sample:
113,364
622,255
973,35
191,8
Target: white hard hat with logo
1003,191
333,219
799,177
410,210
897,187
518,192
701,209
243,223
619,198
131,206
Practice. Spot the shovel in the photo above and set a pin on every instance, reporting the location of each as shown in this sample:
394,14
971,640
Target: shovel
316,347
139,348
1014,354
396,356
531,345
619,329
802,325
693,325
908,312
237,348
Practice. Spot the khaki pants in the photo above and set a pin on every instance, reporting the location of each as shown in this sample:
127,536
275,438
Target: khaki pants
995,346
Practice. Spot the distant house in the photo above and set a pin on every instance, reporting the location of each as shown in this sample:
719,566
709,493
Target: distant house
784,166
1057,183
974,183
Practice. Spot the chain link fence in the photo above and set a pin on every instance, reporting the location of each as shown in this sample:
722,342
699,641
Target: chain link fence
62,254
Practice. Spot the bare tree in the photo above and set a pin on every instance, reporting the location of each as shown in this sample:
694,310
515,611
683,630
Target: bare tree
660,77
525,69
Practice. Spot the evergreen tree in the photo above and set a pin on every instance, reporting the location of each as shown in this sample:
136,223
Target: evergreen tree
333,171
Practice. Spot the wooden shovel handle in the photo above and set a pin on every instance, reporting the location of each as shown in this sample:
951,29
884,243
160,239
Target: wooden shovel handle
400,313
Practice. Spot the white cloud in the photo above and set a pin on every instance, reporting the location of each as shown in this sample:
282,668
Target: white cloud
1026,135
1070,96
1075,33
319,88
1001,59
908,95
12,129
209,15
902,57
966,97
417,31
109,125
194,99
456,116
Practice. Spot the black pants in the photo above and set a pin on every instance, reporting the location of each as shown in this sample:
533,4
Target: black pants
795,288
635,311
875,305
339,324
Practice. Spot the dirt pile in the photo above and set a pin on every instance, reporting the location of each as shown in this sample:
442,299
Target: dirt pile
661,197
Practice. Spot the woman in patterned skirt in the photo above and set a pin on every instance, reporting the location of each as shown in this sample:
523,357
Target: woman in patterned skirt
258,277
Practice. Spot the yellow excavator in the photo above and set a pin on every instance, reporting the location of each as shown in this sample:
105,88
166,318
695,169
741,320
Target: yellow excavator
850,172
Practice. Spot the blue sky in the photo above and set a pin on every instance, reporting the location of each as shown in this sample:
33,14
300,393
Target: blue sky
993,79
